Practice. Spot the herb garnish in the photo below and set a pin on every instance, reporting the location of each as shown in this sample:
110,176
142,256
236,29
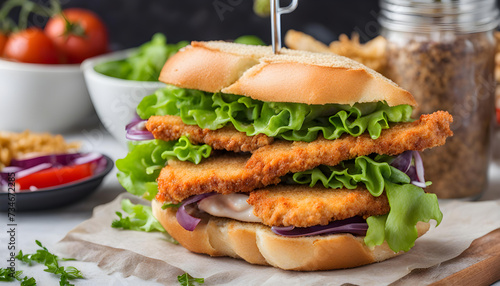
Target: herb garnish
51,261
188,280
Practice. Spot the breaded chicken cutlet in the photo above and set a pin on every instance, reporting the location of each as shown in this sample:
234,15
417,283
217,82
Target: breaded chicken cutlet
302,206
171,128
297,160
233,173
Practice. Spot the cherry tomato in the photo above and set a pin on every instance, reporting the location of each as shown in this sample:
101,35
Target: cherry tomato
80,36
31,46
56,176
3,40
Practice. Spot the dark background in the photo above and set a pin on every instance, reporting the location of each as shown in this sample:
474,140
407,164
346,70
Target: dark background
133,22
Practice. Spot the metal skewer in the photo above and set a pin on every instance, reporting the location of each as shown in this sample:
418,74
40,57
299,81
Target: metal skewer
276,12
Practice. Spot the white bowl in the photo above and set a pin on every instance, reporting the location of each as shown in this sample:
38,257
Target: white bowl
114,99
42,98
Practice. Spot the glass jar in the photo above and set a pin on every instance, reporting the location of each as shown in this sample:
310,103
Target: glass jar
443,53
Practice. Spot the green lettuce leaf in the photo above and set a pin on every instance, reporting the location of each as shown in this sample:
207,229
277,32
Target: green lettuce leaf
184,150
140,218
349,174
138,171
408,203
289,121
145,64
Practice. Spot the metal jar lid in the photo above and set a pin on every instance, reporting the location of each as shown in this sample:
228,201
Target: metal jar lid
463,16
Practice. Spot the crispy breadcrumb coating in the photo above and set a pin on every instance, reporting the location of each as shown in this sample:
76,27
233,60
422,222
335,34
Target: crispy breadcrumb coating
169,128
244,173
224,174
282,157
303,206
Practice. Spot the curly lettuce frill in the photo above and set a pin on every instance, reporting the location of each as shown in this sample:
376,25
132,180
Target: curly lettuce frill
289,121
138,171
408,203
349,174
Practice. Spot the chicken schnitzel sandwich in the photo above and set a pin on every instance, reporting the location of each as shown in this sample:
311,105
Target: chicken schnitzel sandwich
299,160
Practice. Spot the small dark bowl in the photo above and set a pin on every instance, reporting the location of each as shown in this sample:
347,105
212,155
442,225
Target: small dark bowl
63,195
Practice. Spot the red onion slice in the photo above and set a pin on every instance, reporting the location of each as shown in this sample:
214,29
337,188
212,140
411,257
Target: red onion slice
4,174
353,225
134,121
23,168
403,162
87,158
412,173
419,184
55,159
93,157
11,169
136,130
419,165
32,170
187,221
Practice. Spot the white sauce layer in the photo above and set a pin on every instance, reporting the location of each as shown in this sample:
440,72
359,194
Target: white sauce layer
233,206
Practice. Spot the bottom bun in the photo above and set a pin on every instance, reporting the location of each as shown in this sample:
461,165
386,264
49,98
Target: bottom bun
257,244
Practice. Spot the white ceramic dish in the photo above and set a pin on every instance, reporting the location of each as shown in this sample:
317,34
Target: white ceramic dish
114,99
42,98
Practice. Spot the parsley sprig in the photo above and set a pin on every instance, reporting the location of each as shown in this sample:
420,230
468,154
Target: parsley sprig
6,276
51,261
188,280
140,219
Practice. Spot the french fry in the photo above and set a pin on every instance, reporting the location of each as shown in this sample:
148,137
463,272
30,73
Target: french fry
25,144
371,54
299,41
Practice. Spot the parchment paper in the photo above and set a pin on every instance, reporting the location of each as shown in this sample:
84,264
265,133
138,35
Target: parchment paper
151,257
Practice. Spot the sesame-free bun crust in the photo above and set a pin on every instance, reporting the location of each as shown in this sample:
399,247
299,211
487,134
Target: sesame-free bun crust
214,70
257,244
290,76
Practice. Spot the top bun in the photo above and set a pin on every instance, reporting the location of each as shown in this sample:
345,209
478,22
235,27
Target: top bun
290,76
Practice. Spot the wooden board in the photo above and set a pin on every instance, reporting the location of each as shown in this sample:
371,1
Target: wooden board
478,265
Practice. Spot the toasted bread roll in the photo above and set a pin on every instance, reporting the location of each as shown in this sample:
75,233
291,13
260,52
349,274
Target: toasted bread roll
257,244
209,70
291,76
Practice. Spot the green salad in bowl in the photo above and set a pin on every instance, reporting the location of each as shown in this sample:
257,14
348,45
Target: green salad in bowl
145,63
118,81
